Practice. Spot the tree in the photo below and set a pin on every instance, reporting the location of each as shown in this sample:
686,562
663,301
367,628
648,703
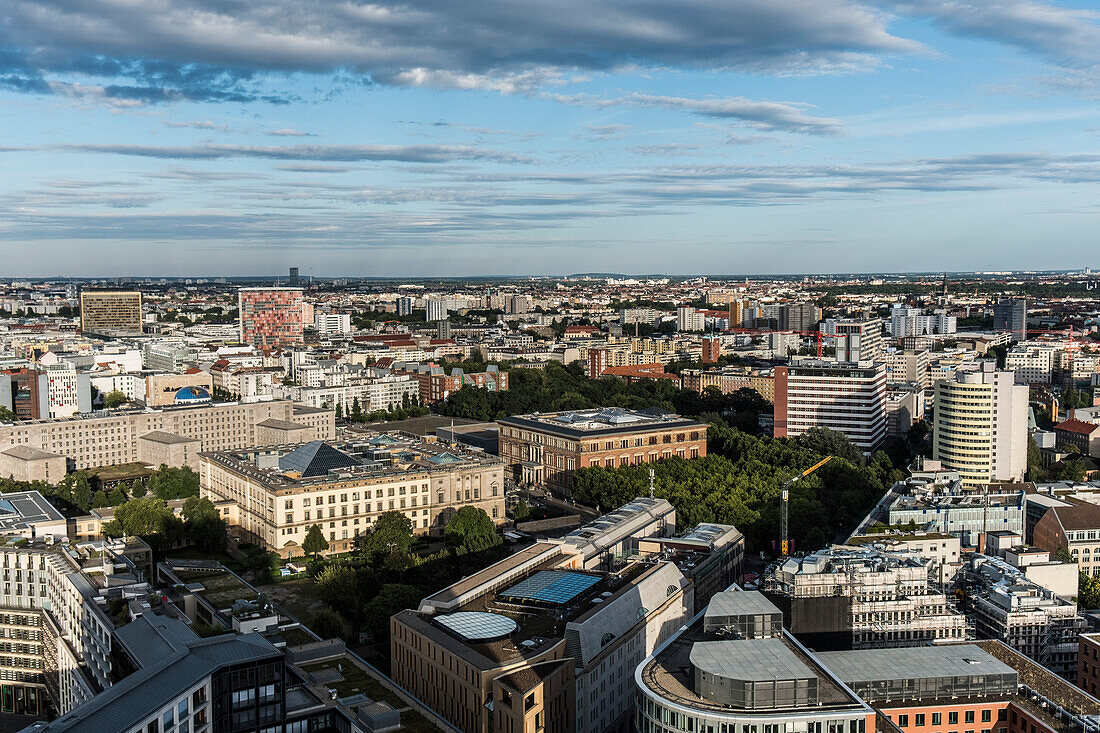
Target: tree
174,483
315,542
830,443
392,534
522,511
392,597
143,517
100,499
471,530
203,524
115,398
7,415
327,624
116,496
338,586
137,489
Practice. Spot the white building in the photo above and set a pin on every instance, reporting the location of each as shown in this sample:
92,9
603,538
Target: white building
689,319
1031,363
332,323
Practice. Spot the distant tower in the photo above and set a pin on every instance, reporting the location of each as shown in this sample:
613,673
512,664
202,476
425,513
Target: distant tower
943,288
293,277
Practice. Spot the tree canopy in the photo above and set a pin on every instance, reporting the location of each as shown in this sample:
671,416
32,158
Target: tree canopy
315,542
471,530
392,534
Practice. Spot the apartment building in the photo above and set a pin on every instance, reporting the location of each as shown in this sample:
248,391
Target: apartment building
110,440
104,311
1032,363
1082,436
274,495
1010,315
271,318
329,324
848,398
858,341
1067,519
370,393
979,426
437,385
545,449
731,379
549,638
863,598
908,367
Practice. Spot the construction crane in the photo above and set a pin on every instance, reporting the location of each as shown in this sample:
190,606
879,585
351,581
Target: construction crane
785,541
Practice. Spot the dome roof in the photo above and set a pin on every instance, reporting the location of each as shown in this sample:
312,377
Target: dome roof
192,394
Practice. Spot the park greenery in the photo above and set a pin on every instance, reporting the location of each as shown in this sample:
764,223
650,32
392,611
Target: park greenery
385,574
81,491
739,483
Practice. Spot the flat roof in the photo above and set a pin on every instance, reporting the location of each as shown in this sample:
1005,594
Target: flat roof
23,508
917,662
751,660
740,603
555,587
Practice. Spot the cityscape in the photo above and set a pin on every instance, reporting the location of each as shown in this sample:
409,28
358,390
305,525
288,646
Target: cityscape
626,366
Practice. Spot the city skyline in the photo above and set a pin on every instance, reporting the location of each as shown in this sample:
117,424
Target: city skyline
437,139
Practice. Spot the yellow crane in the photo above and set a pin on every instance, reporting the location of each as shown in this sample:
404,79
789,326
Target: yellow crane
786,500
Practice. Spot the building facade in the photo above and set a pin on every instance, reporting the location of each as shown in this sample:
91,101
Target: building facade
848,398
110,310
271,318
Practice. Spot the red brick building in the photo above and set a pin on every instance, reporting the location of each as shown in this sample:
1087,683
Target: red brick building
271,317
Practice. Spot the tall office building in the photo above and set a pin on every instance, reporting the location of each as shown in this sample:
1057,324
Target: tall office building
1011,315
294,276
110,310
436,310
798,316
404,306
848,398
271,317
980,426
858,341
738,311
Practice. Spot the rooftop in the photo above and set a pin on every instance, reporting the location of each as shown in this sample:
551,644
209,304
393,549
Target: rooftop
607,421
753,660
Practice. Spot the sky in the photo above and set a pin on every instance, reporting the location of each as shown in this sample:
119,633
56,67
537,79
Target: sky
515,137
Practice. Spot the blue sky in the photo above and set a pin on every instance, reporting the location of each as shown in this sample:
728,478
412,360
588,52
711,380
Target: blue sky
235,137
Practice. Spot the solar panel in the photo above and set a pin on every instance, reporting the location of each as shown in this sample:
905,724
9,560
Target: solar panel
477,625
557,587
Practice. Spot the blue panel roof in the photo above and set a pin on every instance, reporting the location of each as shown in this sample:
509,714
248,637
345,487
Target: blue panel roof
556,587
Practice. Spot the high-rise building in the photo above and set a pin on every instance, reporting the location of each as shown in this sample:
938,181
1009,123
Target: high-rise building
712,350
1011,315
110,310
404,306
738,311
979,425
293,276
436,310
848,398
271,317
24,392
689,319
858,341
332,323
798,316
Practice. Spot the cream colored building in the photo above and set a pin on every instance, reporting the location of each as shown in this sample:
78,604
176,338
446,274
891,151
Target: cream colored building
90,442
979,426
274,495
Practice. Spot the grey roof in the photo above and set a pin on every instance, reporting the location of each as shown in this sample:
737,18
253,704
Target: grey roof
160,436
752,660
152,637
129,701
277,424
918,662
316,458
29,453
740,603
21,509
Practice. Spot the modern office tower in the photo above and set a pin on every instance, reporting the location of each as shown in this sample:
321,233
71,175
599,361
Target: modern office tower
110,310
737,311
271,318
545,449
25,392
404,306
848,398
798,316
844,598
1011,315
172,435
344,487
980,426
436,310
293,277
689,319
328,324
553,634
858,341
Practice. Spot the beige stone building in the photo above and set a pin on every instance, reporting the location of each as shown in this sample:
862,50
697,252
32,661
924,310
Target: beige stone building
274,495
161,389
111,440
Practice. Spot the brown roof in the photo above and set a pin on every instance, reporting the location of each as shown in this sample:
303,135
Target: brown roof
1074,425
1082,515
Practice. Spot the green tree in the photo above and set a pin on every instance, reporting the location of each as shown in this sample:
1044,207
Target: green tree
7,415
137,489
169,482
327,624
391,598
338,586
522,511
471,530
100,499
392,534
203,524
114,398
1088,591
829,443
315,542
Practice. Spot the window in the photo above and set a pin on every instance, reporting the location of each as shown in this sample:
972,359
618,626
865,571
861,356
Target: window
987,716
953,717
968,716
919,721
936,718
903,721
